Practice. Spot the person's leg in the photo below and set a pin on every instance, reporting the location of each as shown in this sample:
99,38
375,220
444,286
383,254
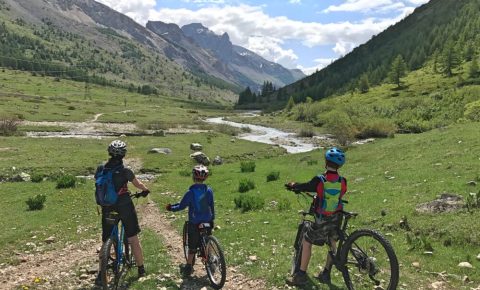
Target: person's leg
306,254
136,250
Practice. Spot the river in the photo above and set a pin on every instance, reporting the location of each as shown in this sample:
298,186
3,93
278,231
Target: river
290,141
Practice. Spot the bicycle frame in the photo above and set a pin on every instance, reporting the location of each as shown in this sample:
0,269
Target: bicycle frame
118,236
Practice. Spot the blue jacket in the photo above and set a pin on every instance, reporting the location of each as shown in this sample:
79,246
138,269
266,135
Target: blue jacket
199,199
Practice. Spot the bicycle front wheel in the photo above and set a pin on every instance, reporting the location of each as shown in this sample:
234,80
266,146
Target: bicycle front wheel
215,263
109,268
185,240
369,262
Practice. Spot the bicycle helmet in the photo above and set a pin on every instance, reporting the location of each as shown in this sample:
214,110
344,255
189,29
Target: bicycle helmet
200,172
335,155
117,148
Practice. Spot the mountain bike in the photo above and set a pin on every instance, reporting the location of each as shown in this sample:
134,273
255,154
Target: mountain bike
365,257
210,253
115,255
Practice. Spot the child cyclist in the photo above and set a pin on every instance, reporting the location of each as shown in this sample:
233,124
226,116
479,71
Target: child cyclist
199,199
124,205
330,188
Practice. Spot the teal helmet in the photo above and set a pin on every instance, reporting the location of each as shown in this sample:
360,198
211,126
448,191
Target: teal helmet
335,155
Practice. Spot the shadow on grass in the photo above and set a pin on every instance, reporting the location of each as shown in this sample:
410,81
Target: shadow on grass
313,284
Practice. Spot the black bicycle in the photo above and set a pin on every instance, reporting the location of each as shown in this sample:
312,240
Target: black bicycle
210,253
365,257
115,256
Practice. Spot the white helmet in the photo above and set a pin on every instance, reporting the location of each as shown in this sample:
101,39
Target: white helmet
117,148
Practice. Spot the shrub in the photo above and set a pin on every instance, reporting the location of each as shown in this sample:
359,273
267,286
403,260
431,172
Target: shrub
472,111
246,129
37,202
228,130
8,125
246,185
312,162
306,132
247,202
340,125
66,181
272,176
247,166
376,129
284,204
36,177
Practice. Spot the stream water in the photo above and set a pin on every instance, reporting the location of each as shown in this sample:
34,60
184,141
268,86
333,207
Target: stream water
290,141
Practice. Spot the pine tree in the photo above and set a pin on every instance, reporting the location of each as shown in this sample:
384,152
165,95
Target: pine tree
364,85
449,59
473,69
398,70
290,104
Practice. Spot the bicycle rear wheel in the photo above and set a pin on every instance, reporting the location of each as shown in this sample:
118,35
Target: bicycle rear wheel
369,262
109,268
215,263
297,246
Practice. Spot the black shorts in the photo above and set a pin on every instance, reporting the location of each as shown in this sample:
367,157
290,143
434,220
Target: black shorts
194,237
319,232
128,215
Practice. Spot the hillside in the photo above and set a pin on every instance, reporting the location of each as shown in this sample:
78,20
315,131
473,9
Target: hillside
428,34
71,39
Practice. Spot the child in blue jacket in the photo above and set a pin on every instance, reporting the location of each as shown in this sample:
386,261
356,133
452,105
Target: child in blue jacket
199,199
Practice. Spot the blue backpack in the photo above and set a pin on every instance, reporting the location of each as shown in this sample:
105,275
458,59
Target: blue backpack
105,193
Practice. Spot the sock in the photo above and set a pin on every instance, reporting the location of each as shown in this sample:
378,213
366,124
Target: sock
302,272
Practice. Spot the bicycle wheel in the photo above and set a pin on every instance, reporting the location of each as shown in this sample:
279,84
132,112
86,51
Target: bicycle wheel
215,263
369,262
109,268
297,246
185,240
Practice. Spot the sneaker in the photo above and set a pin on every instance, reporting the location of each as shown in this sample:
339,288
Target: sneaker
298,279
324,277
186,270
141,271
98,280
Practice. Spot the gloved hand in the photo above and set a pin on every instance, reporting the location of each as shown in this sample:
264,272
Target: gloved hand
144,193
168,207
290,185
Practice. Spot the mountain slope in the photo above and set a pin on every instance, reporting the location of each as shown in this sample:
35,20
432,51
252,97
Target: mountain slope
246,66
88,41
421,36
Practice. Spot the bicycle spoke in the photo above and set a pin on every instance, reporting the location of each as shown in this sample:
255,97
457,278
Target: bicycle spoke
215,263
368,263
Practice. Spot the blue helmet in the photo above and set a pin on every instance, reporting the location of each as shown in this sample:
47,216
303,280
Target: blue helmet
335,155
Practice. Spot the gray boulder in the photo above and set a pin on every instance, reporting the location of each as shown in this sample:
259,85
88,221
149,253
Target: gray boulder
160,150
196,147
200,158
217,160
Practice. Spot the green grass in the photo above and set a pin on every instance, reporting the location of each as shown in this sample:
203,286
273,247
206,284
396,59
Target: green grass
413,161
69,215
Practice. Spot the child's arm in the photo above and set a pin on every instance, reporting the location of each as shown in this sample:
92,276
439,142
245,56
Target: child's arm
310,186
183,203
211,203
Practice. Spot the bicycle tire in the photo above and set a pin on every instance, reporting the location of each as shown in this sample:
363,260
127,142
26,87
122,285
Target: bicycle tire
214,263
185,240
366,262
297,246
109,271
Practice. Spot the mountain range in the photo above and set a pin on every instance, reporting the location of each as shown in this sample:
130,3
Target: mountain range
88,34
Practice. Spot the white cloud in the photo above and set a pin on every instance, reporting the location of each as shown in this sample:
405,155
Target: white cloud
244,22
359,5
271,48
250,27
295,1
320,63
138,10
418,2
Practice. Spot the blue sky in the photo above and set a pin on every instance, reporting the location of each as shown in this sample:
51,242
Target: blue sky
305,34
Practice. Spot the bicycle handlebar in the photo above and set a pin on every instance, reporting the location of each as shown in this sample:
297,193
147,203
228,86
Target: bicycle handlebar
305,213
139,194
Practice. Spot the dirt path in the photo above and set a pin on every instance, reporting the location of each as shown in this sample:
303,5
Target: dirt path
153,219
75,266
54,269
